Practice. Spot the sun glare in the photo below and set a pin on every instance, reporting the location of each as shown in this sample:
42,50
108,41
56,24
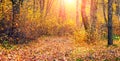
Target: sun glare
70,2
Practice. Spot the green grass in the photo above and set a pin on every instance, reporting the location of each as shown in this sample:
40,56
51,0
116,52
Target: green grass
7,45
79,59
116,37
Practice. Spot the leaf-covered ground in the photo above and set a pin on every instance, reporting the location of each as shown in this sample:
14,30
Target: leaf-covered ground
60,49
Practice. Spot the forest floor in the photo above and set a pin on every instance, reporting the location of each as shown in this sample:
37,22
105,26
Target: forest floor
60,49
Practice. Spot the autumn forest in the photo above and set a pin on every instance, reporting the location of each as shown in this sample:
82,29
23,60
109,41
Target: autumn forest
59,30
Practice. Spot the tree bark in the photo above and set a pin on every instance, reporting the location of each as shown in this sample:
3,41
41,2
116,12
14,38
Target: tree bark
44,9
48,7
104,10
42,6
1,7
84,16
93,14
16,12
85,20
118,9
110,34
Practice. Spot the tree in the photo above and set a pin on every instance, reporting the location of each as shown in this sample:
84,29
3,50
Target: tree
16,14
104,10
34,7
93,15
62,14
2,20
2,2
42,6
16,8
45,8
1,6
110,34
84,16
118,9
85,20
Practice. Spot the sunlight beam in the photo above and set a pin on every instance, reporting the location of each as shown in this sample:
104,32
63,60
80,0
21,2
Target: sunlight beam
70,2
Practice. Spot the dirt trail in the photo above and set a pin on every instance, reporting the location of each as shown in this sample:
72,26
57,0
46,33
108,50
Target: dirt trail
60,49
50,48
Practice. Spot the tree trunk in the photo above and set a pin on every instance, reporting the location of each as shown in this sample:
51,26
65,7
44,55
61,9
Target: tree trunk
1,8
42,6
84,16
85,20
110,34
48,7
62,15
104,10
16,13
93,14
34,8
118,9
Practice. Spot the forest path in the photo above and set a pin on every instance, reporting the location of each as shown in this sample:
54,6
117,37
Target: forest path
60,49
45,48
